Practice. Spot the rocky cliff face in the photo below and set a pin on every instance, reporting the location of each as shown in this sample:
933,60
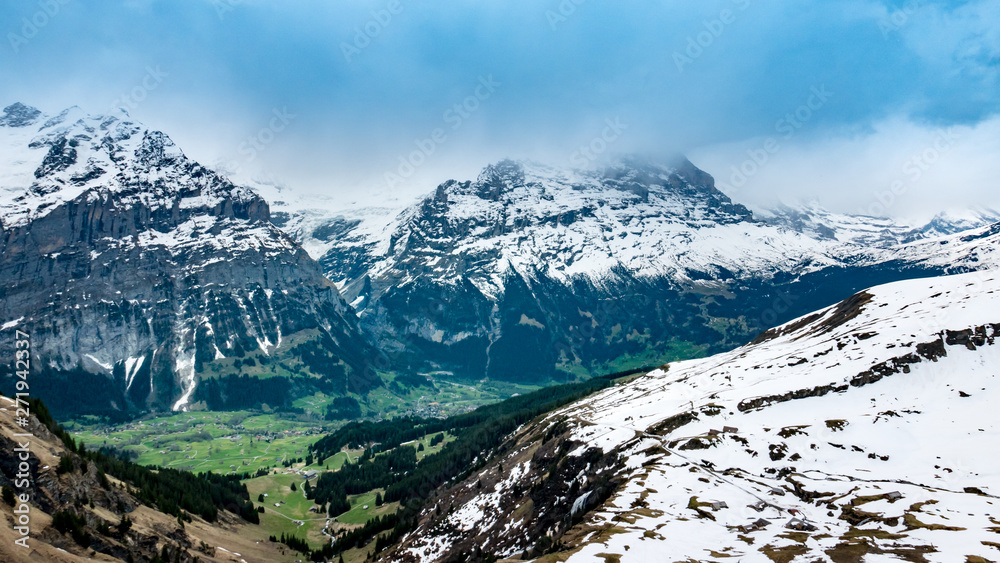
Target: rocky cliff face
138,272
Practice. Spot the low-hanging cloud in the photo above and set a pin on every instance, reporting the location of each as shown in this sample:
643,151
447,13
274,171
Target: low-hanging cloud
895,168
371,83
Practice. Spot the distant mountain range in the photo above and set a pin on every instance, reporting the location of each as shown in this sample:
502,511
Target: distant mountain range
159,284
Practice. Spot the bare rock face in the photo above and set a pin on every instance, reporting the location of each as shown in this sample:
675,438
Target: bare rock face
19,115
136,270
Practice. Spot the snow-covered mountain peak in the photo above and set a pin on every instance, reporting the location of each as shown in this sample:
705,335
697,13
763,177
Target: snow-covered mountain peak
67,117
125,253
500,177
526,246
74,153
812,219
958,220
157,150
624,182
526,196
19,115
526,217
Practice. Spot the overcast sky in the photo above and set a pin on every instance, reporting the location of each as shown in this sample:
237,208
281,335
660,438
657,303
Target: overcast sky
841,101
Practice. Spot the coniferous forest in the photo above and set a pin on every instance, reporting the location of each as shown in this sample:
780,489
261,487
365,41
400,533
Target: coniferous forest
388,465
171,491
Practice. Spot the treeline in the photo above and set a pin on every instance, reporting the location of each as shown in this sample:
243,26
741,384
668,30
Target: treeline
62,391
389,434
478,433
298,544
234,392
242,392
358,537
317,357
343,408
172,491
76,526
369,473
413,380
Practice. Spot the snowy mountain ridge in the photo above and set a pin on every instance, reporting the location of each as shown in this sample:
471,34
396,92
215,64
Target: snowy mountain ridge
648,232
73,153
812,219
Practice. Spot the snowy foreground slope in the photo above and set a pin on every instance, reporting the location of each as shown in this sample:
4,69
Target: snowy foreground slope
871,426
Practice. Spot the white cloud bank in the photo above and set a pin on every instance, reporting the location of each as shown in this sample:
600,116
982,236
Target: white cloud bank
896,168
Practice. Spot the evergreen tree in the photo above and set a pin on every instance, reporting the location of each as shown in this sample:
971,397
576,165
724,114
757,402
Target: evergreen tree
8,495
125,525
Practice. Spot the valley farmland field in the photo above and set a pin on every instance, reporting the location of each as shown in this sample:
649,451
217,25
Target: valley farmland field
271,452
